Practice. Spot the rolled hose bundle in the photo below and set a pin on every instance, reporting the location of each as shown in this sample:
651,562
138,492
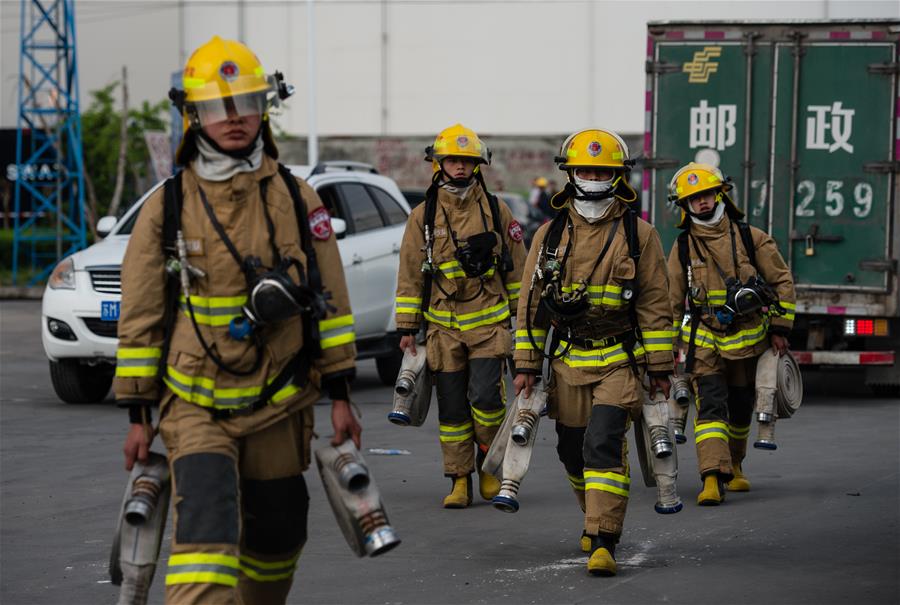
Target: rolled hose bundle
789,392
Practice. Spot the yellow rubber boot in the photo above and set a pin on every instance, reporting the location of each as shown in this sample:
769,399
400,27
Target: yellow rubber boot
602,563
740,483
585,542
712,494
488,485
461,494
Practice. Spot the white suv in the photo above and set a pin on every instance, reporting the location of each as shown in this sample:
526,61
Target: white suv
81,301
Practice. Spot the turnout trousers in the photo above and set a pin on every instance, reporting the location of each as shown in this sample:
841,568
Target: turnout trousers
591,425
471,392
240,506
725,394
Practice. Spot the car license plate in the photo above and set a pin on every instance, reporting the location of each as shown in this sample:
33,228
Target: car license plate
109,310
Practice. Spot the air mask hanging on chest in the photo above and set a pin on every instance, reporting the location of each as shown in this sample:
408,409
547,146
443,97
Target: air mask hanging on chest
476,254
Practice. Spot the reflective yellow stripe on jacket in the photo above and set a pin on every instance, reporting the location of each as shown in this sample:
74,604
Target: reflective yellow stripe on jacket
468,321
604,294
203,392
727,342
336,331
595,358
268,571
202,568
213,310
137,361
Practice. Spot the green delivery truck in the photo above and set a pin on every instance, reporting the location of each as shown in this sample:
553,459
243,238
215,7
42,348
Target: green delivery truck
804,117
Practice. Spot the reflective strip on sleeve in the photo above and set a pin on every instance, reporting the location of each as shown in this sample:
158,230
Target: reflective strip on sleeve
576,482
336,331
523,342
790,308
738,432
408,304
214,310
489,418
613,483
513,289
468,321
268,571
137,362
202,568
450,433
710,430
658,340
595,358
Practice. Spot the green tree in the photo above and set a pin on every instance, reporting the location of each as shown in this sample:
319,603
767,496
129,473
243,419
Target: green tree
100,128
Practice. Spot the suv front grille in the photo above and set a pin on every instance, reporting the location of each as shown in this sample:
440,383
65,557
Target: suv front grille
106,279
108,329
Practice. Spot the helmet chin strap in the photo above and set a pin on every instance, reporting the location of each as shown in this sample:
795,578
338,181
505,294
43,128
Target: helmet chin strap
592,196
460,183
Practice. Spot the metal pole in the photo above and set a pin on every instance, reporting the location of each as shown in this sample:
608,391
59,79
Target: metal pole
312,142
240,21
384,67
795,100
749,50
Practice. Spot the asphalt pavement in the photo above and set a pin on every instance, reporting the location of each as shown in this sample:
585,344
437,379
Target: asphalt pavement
820,525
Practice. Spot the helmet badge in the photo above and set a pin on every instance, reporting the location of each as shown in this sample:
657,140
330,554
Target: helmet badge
594,148
462,140
692,179
229,71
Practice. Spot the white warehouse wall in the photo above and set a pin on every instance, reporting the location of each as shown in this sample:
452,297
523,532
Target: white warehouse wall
409,67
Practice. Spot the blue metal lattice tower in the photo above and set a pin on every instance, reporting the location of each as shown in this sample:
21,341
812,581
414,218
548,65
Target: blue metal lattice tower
49,190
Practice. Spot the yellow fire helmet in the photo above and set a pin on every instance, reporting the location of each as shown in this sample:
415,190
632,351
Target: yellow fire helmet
695,178
458,141
224,78
594,148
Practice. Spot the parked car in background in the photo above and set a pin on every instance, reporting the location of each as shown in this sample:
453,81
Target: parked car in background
527,215
80,308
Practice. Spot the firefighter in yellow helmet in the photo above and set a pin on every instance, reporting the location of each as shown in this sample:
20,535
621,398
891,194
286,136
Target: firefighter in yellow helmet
460,273
597,275
235,314
740,297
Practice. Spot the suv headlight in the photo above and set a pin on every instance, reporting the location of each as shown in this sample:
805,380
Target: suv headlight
63,276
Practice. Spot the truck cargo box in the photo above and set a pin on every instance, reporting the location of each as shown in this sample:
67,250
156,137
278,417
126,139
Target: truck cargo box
804,117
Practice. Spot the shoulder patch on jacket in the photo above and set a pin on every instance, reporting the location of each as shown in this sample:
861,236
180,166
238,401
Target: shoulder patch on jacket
515,231
320,223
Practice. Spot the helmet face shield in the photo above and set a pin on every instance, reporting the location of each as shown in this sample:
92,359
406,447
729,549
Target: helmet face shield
224,108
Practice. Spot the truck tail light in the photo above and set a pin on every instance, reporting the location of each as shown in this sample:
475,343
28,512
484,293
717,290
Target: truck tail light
866,327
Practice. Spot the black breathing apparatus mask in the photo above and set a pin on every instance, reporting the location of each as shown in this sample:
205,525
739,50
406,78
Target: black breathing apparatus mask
476,254
273,297
745,298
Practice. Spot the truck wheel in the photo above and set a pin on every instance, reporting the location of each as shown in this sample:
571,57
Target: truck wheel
78,383
389,367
